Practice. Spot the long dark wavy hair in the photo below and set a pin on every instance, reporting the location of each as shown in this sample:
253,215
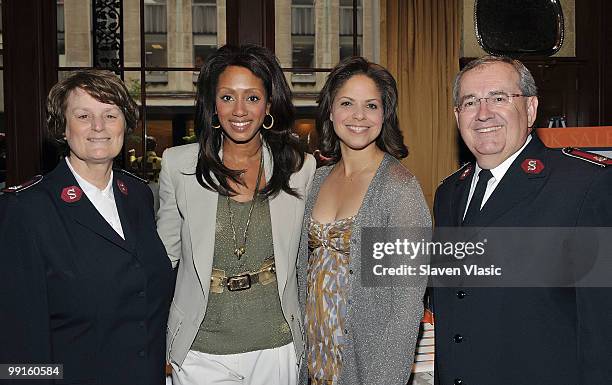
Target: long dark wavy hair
285,148
390,139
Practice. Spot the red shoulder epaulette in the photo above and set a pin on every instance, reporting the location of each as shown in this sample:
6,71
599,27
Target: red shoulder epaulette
466,169
600,160
24,186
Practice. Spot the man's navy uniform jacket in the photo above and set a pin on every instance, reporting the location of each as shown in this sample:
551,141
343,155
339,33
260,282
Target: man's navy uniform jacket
539,336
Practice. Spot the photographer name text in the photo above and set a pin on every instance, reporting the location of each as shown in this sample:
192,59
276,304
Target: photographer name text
428,270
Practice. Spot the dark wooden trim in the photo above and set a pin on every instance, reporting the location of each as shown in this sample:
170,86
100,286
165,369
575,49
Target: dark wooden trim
135,69
355,31
589,20
250,21
605,65
268,25
231,22
194,69
30,62
543,60
143,91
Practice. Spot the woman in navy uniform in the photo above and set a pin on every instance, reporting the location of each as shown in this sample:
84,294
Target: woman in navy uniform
85,281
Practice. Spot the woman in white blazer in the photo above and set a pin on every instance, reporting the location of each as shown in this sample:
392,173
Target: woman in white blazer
230,217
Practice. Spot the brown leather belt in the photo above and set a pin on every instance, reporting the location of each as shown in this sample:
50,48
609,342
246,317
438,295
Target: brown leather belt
243,281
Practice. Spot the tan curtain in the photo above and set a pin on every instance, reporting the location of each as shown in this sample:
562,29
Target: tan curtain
420,42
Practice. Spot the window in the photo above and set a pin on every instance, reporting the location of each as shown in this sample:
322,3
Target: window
312,36
61,49
156,40
310,39
157,63
302,33
347,34
157,48
204,16
155,17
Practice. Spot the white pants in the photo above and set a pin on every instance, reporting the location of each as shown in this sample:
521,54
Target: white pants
276,366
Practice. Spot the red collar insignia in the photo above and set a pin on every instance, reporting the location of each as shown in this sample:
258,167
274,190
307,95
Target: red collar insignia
71,194
532,166
122,187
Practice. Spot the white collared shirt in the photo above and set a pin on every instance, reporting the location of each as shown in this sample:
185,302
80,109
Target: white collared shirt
498,173
103,200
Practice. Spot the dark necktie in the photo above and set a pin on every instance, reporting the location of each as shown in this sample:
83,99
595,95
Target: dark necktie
474,207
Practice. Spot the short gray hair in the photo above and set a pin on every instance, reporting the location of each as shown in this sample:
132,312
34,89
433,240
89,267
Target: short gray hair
526,83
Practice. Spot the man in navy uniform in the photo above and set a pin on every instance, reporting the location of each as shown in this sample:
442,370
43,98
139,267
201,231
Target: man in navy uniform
498,336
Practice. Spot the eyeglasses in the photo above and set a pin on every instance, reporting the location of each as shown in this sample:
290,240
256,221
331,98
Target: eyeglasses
500,99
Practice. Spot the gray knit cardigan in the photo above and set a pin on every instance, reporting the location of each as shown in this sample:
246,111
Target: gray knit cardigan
382,322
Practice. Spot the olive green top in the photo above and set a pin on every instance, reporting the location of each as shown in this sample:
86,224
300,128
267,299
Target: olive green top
246,320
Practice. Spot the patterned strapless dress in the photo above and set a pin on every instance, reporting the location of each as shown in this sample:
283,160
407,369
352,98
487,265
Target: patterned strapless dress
327,284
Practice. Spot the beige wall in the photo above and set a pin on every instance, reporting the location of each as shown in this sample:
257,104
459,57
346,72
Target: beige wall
221,32
282,32
131,39
77,17
180,44
371,30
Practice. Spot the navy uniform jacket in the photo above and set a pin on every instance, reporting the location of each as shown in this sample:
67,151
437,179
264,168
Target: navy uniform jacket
73,292
540,336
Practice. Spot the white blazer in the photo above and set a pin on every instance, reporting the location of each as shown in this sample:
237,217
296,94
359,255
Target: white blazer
186,224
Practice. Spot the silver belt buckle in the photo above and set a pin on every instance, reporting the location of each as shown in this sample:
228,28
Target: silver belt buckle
239,282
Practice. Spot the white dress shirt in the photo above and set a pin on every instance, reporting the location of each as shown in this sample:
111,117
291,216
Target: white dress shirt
498,173
103,200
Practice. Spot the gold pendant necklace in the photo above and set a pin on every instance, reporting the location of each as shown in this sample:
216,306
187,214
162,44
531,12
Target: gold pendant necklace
240,250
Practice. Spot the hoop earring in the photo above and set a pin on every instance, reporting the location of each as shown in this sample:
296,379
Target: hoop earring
269,126
215,117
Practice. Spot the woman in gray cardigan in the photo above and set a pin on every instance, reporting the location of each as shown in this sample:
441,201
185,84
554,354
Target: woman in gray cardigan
357,334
